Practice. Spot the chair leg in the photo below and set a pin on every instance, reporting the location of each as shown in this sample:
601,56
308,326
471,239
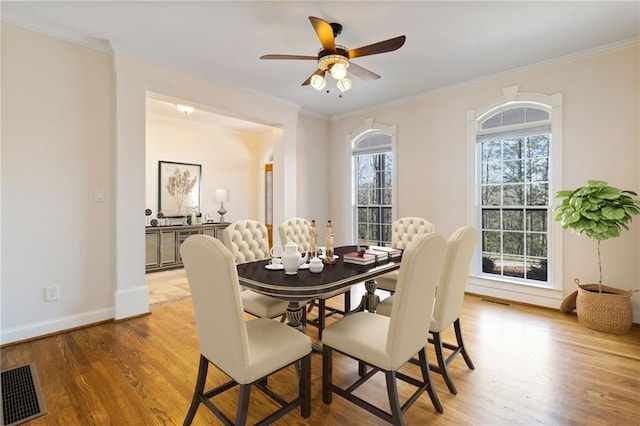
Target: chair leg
243,404
442,363
327,371
463,350
199,390
305,386
394,399
426,377
347,301
321,317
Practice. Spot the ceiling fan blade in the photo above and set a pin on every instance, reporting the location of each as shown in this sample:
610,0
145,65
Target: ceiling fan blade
325,33
288,57
362,73
380,47
308,80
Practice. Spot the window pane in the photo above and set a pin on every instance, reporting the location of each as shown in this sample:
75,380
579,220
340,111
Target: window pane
374,215
513,220
386,196
490,219
513,116
513,149
538,146
489,263
513,195
538,194
491,241
513,171
493,121
513,266
362,214
363,196
535,114
491,151
386,232
491,172
491,195
386,215
538,170
537,269
537,245
537,220
513,243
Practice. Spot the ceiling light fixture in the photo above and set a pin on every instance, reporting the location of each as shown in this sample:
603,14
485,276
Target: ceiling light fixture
337,64
184,108
318,81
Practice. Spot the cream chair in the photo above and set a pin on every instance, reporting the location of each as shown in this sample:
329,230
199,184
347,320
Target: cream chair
387,343
448,303
298,230
247,241
247,351
403,231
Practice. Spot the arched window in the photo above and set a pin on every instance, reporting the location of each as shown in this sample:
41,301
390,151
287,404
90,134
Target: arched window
516,153
373,184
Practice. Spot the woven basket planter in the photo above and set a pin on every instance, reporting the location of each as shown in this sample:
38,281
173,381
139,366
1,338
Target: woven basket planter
609,311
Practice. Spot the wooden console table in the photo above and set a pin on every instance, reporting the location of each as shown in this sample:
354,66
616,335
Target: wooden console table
162,243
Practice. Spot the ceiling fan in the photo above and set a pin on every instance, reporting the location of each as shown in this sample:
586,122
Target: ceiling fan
335,59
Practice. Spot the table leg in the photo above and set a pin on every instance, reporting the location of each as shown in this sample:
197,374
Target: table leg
369,300
296,315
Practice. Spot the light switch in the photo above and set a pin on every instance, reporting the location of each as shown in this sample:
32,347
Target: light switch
98,196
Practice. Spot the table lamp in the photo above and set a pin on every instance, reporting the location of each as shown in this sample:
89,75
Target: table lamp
222,195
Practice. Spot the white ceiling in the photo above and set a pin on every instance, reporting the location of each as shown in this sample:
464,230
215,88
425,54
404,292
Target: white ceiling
448,43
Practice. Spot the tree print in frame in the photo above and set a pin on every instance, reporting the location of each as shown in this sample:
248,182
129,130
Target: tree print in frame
179,188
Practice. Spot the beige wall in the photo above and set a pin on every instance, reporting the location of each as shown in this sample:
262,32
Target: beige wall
601,141
57,149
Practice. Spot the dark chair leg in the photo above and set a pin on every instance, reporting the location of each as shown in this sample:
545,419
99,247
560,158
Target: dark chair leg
327,371
243,404
305,386
347,301
426,377
463,349
442,364
199,390
394,399
321,317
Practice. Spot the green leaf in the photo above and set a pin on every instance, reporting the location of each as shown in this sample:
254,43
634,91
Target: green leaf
613,213
609,193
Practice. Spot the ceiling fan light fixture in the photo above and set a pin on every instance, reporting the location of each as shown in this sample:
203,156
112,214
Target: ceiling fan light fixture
344,84
318,81
338,70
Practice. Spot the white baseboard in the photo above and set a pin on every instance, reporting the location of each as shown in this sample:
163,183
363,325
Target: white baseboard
131,302
43,328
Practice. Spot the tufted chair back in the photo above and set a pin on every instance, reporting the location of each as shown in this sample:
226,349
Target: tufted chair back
298,230
247,240
213,280
404,229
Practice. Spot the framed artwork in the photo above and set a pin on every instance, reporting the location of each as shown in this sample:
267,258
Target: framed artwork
179,188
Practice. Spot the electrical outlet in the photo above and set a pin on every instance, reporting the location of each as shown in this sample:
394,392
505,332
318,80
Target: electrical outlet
51,293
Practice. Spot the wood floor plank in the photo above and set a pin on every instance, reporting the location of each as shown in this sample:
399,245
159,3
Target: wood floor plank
533,366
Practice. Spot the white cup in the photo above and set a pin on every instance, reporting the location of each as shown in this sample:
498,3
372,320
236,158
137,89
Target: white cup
276,261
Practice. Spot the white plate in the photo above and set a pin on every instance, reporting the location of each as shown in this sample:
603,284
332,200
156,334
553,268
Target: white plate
335,256
304,266
274,267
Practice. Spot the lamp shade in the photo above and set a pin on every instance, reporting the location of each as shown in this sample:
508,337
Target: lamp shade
222,195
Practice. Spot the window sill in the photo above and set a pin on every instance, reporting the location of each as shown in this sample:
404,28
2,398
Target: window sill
523,293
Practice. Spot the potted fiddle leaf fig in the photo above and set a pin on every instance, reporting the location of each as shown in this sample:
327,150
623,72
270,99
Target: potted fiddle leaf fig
600,212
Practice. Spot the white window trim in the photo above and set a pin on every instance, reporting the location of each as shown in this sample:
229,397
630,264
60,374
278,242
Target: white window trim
369,126
499,286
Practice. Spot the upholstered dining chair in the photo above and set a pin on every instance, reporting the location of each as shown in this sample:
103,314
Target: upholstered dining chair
247,241
403,231
448,302
298,230
387,343
247,351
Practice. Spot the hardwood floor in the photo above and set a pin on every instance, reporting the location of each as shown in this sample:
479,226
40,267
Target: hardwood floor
533,366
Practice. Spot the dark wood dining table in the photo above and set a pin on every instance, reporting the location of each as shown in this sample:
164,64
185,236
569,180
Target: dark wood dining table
304,286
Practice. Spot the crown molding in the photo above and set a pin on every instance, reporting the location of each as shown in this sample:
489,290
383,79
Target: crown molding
562,60
102,46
